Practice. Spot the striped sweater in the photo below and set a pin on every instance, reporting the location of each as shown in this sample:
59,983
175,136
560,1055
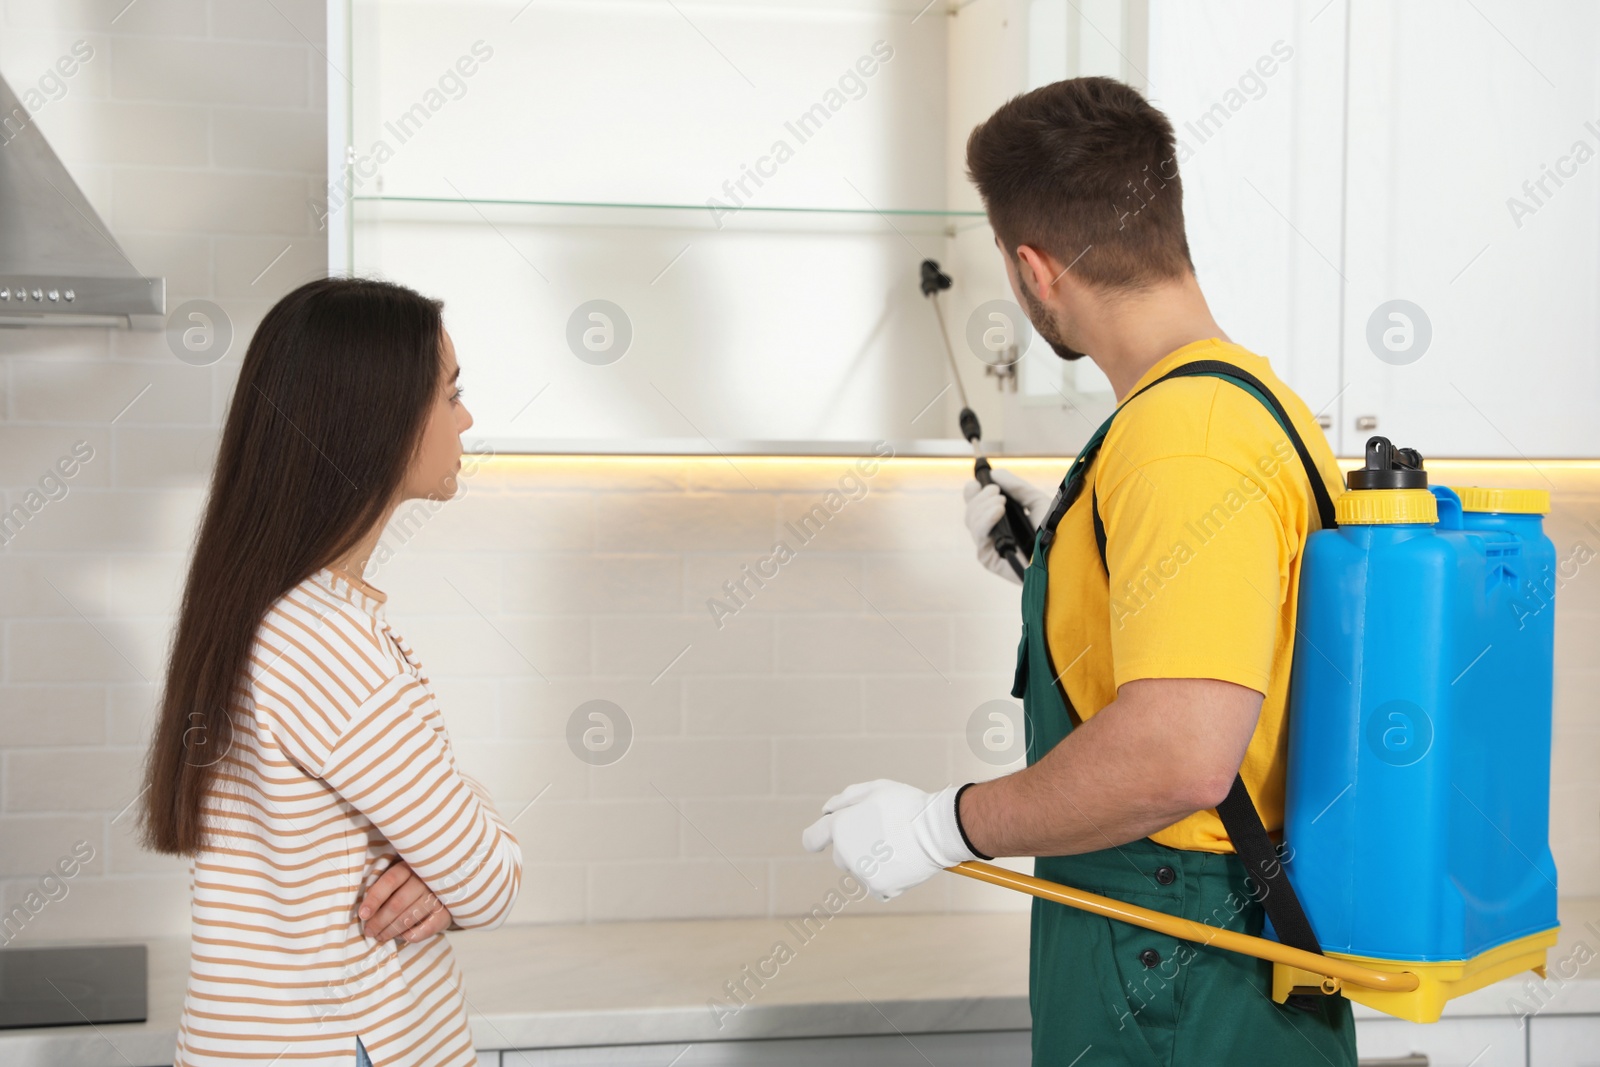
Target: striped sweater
339,763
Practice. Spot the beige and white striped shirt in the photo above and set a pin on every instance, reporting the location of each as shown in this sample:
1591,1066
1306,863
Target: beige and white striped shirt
339,763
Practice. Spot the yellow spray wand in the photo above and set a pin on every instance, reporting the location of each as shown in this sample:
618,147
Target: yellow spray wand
1335,971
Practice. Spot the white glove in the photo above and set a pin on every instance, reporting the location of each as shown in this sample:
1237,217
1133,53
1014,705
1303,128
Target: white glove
985,505
890,835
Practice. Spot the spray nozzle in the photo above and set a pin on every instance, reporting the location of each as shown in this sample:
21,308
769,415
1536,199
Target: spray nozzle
969,425
933,279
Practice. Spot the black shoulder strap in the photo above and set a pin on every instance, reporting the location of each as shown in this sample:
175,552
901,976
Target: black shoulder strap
1270,883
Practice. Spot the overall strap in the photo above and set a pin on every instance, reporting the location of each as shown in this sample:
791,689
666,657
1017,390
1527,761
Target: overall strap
1237,812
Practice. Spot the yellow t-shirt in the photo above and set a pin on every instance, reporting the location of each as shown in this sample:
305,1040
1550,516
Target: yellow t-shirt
1206,509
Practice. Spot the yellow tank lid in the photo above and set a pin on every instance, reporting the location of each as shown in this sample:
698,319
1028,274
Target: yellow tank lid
1370,507
1507,501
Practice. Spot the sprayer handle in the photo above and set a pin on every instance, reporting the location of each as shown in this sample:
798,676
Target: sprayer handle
1004,538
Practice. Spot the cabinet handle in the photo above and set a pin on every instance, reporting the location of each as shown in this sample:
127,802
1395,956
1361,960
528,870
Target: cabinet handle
1325,421
1416,1059
1366,422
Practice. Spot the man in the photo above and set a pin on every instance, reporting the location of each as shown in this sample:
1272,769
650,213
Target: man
1151,680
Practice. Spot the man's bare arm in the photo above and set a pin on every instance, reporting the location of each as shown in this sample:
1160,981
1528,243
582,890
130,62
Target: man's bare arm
1164,749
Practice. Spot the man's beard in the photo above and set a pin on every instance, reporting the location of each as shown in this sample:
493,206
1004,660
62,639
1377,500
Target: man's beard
1045,323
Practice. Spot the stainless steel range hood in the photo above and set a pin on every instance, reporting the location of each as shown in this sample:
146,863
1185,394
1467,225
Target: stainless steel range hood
59,265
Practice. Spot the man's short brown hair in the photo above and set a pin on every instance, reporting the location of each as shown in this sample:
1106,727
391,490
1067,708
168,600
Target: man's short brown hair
1086,170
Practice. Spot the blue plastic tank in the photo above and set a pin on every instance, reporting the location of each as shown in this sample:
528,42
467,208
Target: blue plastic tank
1418,786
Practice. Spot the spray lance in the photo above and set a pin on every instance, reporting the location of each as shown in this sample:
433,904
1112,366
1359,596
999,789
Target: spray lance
1013,535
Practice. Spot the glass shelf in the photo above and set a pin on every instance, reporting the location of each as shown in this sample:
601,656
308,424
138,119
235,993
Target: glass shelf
753,208
673,216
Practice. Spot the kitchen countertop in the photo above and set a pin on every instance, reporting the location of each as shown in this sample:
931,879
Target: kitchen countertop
649,982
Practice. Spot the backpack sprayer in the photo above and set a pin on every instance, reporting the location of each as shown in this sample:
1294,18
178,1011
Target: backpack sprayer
1013,534
1416,808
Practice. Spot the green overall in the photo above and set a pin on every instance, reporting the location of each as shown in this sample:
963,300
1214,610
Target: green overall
1105,992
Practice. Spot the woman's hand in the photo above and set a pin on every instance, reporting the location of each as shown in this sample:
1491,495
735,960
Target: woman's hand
399,903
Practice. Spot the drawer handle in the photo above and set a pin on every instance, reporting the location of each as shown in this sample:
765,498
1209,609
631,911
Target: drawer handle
1416,1059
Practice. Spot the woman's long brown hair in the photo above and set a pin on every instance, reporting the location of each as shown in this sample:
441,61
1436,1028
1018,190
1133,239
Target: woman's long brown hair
327,413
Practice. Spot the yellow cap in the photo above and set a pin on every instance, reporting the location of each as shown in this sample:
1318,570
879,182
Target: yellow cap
1369,507
1509,501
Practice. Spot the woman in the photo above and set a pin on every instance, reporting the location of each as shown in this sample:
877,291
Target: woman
300,759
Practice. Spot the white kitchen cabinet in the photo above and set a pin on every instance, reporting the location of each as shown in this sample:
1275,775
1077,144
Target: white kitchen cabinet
1338,156
1488,1041
1384,159
1001,1048
1255,94
1564,1041
1453,108
1495,1041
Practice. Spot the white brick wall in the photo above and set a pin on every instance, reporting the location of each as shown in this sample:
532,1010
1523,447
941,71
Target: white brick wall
197,130
587,578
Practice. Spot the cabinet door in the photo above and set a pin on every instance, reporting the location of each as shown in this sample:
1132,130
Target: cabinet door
1564,1041
1494,1041
1255,92
1472,226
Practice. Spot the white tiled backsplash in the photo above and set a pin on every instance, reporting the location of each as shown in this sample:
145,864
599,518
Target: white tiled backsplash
197,130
